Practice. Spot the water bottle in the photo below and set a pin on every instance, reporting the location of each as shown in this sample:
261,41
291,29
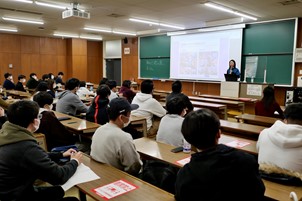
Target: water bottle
186,148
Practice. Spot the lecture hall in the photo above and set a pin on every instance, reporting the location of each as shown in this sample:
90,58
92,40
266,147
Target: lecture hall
98,100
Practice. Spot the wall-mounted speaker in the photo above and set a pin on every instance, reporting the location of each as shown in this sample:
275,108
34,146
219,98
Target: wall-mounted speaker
125,40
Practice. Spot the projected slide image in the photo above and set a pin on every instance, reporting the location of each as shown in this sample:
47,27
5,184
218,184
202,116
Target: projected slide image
208,62
188,63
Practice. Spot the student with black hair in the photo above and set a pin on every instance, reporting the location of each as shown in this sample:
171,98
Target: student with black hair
8,83
148,106
113,91
55,132
169,130
83,91
126,91
33,81
42,86
113,146
97,111
280,146
216,171
45,77
23,161
59,79
176,92
20,83
68,101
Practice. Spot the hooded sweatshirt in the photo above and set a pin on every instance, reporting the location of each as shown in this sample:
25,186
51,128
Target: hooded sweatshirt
22,161
97,111
148,107
70,103
220,173
280,149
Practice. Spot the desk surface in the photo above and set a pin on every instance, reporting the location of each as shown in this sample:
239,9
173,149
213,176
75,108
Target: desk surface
77,125
109,174
229,98
257,120
20,94
219,101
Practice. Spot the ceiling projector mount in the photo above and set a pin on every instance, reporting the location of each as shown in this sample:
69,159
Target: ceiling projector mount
75,12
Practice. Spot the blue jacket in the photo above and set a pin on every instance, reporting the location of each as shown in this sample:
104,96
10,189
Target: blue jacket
235,71
8,85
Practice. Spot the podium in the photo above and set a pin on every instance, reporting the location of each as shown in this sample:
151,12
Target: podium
229,89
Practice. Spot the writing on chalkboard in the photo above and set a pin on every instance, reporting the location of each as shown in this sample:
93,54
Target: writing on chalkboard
155,62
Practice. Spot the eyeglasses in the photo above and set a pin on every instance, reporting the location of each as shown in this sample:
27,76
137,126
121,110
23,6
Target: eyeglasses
40,116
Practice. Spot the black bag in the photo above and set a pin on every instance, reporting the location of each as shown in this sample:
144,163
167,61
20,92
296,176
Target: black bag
160,174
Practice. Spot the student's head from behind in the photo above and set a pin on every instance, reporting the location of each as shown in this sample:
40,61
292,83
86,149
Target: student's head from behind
127,84
42,86
22,78
82,84
60,74
33,75
51,84
119,111
103,91
293,114
24,113
8,76
176,106
201,128
232,63
103,81
51,76
72,84
268,96
112,85
44,100
45,77
147,86
176,86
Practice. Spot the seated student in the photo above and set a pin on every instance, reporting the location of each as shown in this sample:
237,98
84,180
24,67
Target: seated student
3,117
68,101
21,81
176,92
280,146
83,91
97,111
216,171
45,77
51,86
8,82
148,106
23,161
268,105
42,86
112,86
55,132
33,82
51,76
126,91
104,80
113,146
59,79
169,130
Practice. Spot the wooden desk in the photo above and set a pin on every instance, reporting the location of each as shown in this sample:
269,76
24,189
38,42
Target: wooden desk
160,151
243,130
231,104
17,94
139,123
77,125
256,119
109,174
250,148
219,109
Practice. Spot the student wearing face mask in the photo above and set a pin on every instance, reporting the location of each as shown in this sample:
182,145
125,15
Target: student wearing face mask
8,82
55,132
20,83
113,146
23,161
169,130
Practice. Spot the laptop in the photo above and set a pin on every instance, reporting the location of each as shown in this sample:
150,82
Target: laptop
230,77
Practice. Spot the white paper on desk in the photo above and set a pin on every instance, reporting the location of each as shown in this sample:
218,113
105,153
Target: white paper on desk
83,174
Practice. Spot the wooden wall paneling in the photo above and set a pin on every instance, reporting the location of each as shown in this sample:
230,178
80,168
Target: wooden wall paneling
30,45
94,61
79,67
10,43
47,63
79,47
10,58
61,66
61,47
130,61
48,46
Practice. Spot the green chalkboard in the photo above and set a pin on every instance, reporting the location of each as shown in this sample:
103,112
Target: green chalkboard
273,43
155,46
155,68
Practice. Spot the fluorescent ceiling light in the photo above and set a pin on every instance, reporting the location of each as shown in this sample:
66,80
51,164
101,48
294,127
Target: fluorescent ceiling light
228,10
98,30
9,29
66,35
22,20
50,5
91,37
176,33
143,21
24,1
155,23
171,26
124,33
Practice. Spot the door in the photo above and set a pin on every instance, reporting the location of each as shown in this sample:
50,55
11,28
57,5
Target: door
113,70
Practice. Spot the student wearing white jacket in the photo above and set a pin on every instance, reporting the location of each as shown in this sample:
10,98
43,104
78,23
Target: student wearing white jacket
280,146
148,106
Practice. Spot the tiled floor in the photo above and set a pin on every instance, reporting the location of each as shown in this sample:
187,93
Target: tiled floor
74,192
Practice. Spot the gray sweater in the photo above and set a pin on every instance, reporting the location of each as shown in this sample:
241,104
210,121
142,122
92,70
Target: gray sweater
69,103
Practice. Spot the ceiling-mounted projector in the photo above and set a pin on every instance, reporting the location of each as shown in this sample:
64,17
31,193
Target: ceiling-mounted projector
75,12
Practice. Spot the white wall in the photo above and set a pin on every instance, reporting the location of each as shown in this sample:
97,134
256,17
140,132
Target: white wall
111,50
